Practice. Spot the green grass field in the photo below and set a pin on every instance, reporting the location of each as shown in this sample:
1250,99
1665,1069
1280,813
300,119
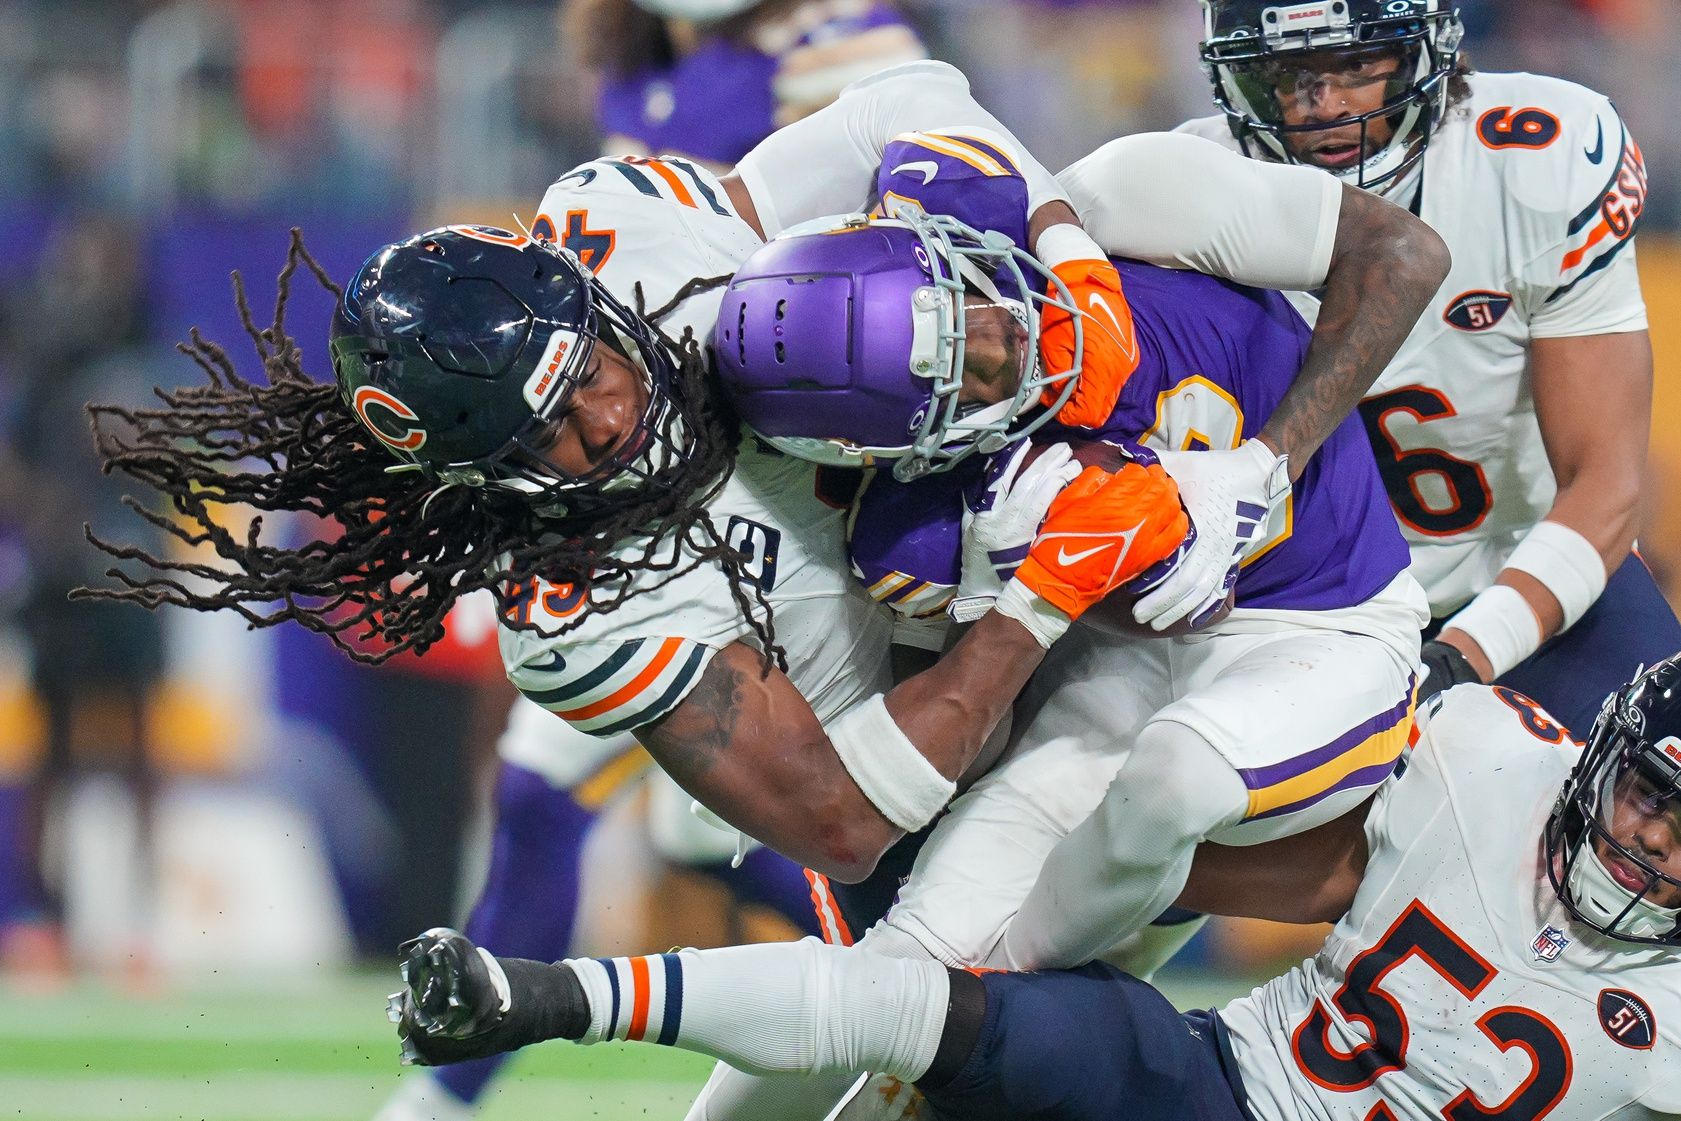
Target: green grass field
324,1053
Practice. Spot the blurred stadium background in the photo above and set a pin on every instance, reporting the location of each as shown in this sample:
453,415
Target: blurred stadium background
235,829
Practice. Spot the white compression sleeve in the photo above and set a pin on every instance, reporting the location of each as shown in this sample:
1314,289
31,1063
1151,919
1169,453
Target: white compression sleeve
1263,224
893,774
781,1008
1128,861
826,163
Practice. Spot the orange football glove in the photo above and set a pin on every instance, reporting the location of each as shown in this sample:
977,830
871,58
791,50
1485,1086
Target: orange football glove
1103,530
1110,347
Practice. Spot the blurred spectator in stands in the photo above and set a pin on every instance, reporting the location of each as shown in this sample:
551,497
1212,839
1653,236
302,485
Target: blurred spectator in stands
70,334
708,79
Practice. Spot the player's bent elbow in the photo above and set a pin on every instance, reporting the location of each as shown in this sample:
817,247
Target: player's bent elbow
825,822
1372,229
847,849
1419,250
1434,258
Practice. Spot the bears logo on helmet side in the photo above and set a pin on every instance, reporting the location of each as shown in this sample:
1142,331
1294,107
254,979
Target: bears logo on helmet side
409,439
458,347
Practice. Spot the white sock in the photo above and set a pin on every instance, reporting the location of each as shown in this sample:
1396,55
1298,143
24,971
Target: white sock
785,1007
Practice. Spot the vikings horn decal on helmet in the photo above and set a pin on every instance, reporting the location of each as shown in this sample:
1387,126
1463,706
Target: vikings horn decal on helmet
1630,771
1247,50
842,340
459,347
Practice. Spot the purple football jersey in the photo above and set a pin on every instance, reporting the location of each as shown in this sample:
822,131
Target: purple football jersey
905,538
1237,350
959,174
717,102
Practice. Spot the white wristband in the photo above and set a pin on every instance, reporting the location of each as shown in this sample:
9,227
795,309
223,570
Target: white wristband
1045,622
1565,562
1065,242
896,777
1502,623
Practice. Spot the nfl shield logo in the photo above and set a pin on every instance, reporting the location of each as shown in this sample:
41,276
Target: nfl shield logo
1549,944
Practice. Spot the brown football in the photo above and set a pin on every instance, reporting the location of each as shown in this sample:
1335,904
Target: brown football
1114,614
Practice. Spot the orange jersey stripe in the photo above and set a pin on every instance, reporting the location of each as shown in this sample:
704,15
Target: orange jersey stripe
668,650
829,920
1574,258
671,180
644,991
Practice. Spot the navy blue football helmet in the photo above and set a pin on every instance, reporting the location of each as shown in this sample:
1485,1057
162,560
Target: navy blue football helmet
1247,49
458,347
1632,765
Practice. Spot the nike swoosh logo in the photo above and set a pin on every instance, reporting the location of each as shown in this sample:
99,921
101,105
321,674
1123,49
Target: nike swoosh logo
1597,153
927,169
1097,301
1125,539
1063,556
555,663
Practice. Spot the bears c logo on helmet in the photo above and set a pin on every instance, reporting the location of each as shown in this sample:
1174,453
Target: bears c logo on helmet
409,439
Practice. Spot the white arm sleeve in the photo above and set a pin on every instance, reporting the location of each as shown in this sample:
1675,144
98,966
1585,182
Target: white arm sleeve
1184,202
826,163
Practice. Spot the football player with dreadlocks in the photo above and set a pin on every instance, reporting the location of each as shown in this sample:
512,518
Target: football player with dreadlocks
582,482
622,649
553,445
1516,964
1511,428
502,419
703,80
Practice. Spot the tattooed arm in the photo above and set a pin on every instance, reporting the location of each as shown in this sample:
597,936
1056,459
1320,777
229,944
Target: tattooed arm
747,745
1385,267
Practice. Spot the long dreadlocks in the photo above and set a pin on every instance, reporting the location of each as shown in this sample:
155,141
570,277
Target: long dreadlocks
405,548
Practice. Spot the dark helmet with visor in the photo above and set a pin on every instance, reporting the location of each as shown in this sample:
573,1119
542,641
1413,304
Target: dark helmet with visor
459,347
1632,767
1250,49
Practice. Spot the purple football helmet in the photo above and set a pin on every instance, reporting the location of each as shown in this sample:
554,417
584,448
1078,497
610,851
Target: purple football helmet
842,340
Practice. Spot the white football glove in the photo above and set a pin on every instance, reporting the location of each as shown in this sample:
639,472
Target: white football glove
1231,497
1001,526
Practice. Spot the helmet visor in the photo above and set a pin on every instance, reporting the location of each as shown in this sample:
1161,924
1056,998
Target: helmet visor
1294,89
1636,824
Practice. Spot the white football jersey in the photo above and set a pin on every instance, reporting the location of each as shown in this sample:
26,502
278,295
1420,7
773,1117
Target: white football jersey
660,223
1536,186
1457,985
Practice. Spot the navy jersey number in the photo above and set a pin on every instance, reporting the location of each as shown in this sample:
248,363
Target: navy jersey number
1469,498
1418,933
758,545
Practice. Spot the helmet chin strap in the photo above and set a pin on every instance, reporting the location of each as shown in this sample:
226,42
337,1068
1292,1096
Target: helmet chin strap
1604,900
